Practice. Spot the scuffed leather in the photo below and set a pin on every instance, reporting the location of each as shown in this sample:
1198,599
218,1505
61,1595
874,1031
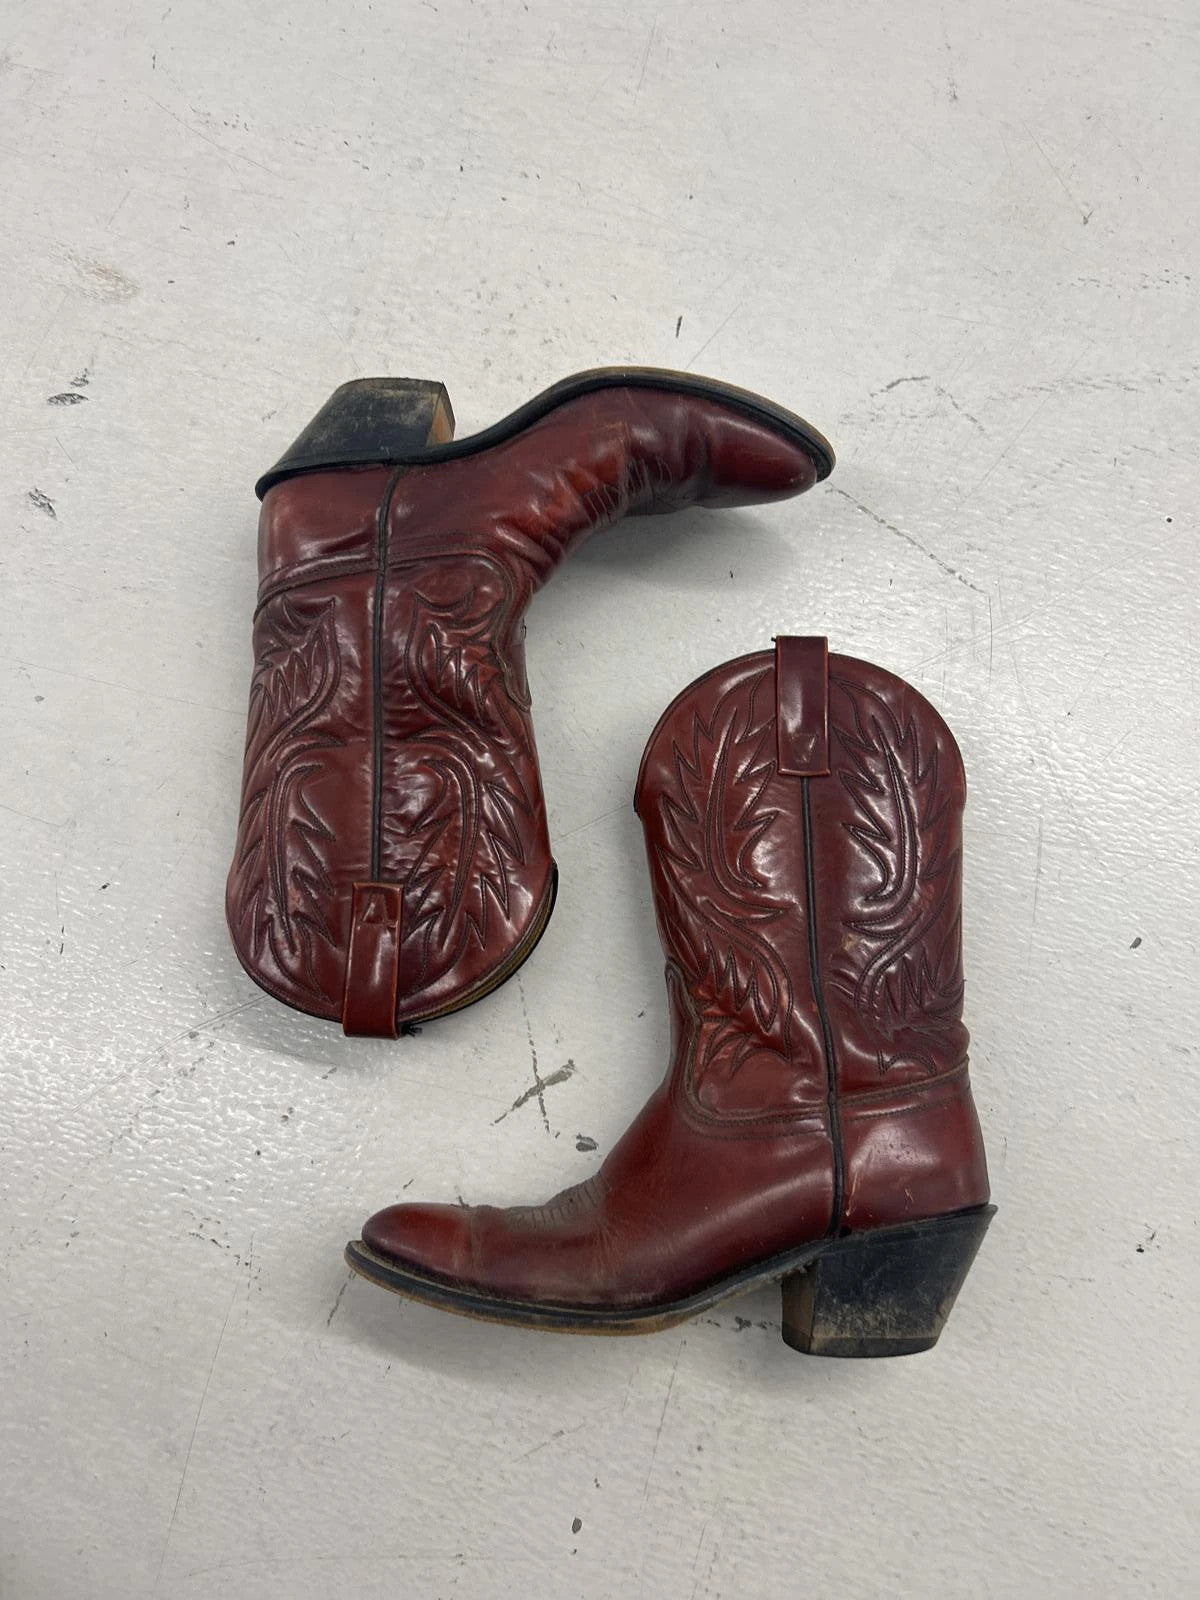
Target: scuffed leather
462,827
736,1157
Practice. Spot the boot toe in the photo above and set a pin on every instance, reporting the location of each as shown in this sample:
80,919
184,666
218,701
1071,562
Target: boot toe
436,1240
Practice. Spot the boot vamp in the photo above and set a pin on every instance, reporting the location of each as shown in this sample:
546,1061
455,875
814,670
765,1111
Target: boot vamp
677,1206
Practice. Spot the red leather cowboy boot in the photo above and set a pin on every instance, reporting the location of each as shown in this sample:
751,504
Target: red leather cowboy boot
815,1126
392,860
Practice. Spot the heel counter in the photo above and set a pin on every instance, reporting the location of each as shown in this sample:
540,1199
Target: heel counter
912,1156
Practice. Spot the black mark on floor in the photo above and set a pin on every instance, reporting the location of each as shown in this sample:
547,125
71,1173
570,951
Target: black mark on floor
882,522
920,377
206,1238
1136,942
67,398
678,325
43,502
583,1144
576,1524
333,1310
82,379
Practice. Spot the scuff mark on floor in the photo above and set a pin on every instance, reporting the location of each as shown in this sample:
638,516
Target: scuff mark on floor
334,1308
916,377
944,566
537,1090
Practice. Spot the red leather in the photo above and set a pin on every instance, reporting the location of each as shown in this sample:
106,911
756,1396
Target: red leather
818,1077
416,580
373,961
802,706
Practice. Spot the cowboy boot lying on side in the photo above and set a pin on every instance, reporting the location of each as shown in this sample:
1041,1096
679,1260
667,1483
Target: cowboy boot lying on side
392,861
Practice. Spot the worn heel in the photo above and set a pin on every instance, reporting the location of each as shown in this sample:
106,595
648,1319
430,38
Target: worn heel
886,1293
367,422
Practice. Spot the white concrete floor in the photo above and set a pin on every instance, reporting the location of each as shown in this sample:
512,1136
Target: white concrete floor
962,239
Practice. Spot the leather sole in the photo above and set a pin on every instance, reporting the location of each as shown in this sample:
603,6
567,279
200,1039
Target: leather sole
885,1292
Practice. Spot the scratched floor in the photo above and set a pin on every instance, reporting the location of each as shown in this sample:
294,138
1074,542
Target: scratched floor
962,240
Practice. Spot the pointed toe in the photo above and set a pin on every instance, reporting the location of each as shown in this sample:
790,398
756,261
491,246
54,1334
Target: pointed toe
433,1240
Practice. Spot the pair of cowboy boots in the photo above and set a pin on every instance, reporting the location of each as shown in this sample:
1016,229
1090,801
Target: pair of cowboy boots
802,814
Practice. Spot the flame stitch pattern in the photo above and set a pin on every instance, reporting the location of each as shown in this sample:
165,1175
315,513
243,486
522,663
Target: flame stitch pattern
477,722
718,912
911,982
282,881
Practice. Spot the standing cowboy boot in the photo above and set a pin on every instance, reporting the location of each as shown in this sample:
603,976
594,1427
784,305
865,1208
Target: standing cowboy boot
392,861
815,1126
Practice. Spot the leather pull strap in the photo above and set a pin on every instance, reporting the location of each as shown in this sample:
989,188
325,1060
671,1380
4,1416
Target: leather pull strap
373,963
802,706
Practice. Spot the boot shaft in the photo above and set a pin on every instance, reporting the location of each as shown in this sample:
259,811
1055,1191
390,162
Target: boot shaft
815,1125
803,825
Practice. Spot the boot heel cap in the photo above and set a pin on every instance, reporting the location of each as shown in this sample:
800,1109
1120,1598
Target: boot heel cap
366,422
886,1293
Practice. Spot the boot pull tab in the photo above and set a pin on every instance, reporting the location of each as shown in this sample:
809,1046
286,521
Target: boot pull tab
802,706
373,962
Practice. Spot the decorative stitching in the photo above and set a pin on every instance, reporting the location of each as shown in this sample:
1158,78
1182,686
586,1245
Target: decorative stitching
716,909
281,881
473,829
911,981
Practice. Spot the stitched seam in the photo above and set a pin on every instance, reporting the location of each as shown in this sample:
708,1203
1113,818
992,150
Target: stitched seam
898,1091
345,567
835,1121
280,991
710,1122
808,1119
908,1111
381,553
